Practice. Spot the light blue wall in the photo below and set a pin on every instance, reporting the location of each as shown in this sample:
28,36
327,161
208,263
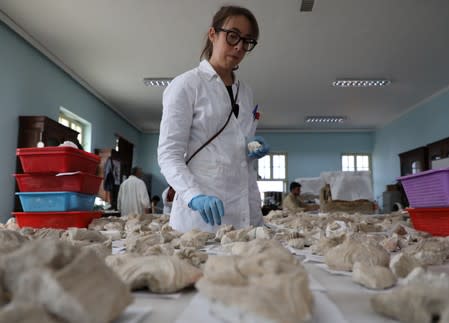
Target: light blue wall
311,153
32,85
148,161
427,123
308,153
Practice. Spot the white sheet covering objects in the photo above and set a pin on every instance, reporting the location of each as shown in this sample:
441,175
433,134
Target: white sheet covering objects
349,186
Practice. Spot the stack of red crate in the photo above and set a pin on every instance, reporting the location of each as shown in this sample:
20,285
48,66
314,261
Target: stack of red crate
428,195
58,187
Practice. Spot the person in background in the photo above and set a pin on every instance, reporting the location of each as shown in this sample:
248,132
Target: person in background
167,199
208,121
293,203
133,195
154,202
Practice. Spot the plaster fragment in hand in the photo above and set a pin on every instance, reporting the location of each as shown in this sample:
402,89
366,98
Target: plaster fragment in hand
253,146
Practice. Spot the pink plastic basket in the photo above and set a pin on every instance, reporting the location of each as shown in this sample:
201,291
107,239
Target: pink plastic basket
427,189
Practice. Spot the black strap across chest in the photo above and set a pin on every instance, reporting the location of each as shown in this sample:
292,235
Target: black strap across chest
235,110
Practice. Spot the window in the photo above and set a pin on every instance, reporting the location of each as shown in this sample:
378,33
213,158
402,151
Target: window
272,173
416,167
355,162
78,124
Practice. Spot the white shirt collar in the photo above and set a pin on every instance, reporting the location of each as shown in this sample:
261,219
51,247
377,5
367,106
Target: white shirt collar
206,68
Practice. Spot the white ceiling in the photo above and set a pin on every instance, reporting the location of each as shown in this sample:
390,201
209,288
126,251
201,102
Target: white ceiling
111,45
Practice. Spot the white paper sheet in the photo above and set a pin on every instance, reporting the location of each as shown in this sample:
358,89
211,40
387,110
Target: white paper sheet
201,309
147,294
334,272
306,253
314,285
134,314
118,246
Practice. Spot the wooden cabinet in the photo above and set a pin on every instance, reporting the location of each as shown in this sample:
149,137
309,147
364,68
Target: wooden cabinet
438,150
414,161
31,128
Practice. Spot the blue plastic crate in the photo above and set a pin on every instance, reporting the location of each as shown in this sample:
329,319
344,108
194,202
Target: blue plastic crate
56,201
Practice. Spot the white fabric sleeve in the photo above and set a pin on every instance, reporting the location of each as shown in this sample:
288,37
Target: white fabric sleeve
177,116
143,195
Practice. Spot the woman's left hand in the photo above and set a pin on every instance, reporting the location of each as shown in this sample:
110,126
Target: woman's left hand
260,151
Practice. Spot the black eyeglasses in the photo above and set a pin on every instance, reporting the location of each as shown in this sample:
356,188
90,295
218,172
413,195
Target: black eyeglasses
233,38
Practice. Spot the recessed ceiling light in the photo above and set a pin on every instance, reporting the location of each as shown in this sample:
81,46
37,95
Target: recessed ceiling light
325,119
360,83
156,81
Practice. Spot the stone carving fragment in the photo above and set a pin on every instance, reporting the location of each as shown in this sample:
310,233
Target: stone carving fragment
297,243
109,223
336,229
252,280
54,234
161,219
192,256
167,236
59,278
165,249
402,264
422,300
374,277
10,240
159,274
195,238
413,275
26,313
356,248
139,243
260,233
113,235
430,251
236,235
138,223
89,239
11,224
223,229
391,244
323,245
77,234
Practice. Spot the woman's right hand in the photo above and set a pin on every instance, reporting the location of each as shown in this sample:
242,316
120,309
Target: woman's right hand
210,207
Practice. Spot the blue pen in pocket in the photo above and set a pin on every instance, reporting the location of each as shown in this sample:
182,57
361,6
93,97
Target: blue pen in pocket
256,113
256,116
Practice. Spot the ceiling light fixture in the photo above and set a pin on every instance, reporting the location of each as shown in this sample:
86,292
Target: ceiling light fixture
158,81
307,5
360,83
325,119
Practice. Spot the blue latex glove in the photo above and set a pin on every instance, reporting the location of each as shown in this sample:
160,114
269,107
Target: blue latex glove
210,207
262,150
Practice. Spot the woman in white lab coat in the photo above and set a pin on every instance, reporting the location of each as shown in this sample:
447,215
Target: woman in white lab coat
215,184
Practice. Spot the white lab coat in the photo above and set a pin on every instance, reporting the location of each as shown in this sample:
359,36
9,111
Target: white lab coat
196,105
133,196
167,204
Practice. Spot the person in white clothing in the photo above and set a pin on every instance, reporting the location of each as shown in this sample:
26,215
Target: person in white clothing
208,120
133,196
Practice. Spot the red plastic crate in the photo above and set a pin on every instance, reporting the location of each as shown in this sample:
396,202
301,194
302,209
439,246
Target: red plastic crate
427,189
432,220
56,220
78,182
57,160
